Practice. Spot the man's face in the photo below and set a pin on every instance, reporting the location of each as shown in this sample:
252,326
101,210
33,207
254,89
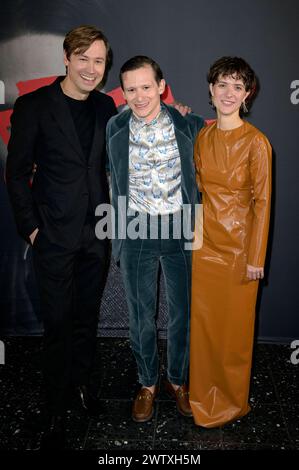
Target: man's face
86,70
142,92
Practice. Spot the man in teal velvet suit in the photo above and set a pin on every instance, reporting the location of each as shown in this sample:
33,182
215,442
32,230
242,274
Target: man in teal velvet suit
150,150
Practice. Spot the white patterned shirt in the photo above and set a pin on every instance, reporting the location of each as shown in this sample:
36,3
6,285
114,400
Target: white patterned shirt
154,166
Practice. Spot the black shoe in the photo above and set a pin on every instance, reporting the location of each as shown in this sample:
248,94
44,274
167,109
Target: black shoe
88,400
54,435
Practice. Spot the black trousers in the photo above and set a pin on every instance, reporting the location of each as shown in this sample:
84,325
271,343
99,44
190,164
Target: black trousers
70,285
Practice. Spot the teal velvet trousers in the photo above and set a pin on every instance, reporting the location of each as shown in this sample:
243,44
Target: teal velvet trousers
140,260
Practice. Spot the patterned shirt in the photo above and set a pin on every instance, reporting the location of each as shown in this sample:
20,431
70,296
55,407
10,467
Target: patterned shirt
154,166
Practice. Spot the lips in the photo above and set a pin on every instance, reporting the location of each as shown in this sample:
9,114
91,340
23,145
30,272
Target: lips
227,103
141,105
88,79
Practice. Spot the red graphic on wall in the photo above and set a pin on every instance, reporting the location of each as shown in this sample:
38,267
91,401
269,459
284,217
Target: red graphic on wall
5,125
31,85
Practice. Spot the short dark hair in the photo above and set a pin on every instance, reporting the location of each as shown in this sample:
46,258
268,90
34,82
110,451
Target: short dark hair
78,40
238,68
137,62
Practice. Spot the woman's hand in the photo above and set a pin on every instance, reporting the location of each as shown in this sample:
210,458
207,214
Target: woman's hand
254,273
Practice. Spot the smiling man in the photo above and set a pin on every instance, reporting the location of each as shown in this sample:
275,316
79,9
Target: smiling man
61,128
150,149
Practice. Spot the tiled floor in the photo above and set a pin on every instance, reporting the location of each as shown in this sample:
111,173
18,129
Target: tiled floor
272,424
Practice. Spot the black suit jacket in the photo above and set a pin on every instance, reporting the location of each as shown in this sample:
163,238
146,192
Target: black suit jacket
43,132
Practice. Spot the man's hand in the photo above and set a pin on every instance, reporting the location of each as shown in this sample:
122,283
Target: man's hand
181,108
254,273
33,235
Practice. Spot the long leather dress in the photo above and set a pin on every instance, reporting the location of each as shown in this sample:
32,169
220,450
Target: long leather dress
234,174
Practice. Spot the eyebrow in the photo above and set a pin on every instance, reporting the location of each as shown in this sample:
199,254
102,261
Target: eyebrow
84,55
224,81
136,86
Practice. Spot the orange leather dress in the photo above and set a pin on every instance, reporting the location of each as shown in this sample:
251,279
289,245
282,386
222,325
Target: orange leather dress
234,174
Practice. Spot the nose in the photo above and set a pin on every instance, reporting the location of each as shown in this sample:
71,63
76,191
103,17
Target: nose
91,67
229,91
139,95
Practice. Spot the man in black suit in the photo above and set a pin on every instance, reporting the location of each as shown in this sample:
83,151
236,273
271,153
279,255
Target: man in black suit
61,129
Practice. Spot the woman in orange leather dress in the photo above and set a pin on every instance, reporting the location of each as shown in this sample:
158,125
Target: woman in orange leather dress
233,165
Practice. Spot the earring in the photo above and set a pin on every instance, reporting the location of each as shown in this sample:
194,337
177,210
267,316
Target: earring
244,107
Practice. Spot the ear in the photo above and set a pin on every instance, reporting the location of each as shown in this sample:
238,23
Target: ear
162,86
247,93
124,95
211,89
65,59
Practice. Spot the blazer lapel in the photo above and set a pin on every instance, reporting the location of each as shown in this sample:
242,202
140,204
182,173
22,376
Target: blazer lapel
119,144
185,145
62,114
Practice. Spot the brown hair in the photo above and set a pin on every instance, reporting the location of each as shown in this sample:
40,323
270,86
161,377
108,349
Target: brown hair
137,62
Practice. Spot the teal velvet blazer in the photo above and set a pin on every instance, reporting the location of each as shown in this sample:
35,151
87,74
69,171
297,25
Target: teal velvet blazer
117,138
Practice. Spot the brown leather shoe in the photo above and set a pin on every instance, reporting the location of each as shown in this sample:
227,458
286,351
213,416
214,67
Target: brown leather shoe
143,406
181,396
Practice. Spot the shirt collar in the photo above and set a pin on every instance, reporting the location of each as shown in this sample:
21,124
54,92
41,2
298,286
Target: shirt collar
139,123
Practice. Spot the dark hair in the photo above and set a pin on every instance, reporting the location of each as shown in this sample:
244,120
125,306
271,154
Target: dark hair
239,69
137,62
78,40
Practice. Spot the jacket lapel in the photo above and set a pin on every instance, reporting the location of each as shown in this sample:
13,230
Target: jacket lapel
118,142
120,151
62,114
185,145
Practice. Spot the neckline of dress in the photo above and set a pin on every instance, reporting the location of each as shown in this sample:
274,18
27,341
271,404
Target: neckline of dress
230,130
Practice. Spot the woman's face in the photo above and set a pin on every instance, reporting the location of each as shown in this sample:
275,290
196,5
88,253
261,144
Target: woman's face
228,93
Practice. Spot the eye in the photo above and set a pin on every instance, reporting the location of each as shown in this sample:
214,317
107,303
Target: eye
146,87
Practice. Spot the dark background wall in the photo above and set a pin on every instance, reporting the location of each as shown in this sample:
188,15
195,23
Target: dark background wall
185,38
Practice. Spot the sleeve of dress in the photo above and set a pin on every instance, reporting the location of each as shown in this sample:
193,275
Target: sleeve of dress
260,171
